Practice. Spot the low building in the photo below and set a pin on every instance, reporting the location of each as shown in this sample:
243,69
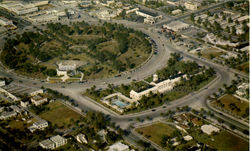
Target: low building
58,140
209,129
81,138
192,5
38,100
47,144
6,115
176,12
176,26
148,14
119,147
132,10
39,125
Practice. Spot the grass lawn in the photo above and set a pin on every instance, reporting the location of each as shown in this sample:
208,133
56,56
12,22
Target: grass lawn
155,132
60,114
225,102
224,141
211,52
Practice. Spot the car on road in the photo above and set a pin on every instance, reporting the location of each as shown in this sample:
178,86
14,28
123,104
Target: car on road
128,77
153,110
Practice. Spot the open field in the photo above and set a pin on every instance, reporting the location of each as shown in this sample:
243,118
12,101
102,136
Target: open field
59,114
156,131
224,141
233,105
210,53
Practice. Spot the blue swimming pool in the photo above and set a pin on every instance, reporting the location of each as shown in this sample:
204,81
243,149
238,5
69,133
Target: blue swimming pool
120,104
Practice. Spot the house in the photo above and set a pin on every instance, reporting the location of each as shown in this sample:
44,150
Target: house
81,138
39,125
118,147
209,129
5,115
2,109
47,144
58,140
38,100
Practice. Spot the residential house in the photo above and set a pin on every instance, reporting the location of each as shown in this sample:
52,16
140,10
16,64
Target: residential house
38,100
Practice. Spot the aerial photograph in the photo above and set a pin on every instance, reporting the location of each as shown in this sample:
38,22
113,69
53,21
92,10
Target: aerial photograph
124,75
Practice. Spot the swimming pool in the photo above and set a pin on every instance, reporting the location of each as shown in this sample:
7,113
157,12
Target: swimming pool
120,104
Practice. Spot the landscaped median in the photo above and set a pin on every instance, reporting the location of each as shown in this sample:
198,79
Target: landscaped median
175,81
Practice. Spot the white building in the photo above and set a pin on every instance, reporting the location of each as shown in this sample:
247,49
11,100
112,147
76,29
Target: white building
39,125
5,115
118,147
81,138
38,100
47,144
209,129
176,26
40,3
132,10
58,140
161,87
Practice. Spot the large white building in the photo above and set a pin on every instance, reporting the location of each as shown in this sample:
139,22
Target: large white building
20,8
161,87
47,144
5,115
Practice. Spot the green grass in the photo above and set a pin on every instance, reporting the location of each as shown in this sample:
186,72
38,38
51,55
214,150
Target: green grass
60,114
156,131
227,100
224,141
